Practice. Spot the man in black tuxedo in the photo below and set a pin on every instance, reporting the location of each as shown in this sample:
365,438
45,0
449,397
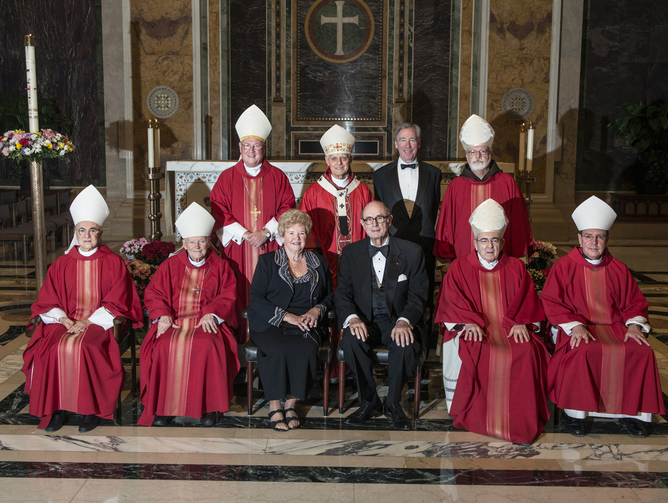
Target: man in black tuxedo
412,191
380,298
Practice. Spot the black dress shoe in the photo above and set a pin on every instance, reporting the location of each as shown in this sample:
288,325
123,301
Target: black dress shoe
209,419
161,420
575,426
634,427
366,411
398,416
89,423
57,420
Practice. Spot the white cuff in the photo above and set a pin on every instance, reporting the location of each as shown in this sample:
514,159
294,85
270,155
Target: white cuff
349,319
219,320
568,327
233,232
451,326
639,320
405,319
272,227
53,315
103,318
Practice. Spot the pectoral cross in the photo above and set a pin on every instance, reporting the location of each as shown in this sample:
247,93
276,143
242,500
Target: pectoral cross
255,212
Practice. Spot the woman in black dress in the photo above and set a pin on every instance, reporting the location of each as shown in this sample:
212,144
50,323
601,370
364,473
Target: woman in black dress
289,299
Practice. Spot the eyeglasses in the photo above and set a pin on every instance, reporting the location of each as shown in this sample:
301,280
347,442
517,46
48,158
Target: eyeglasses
193,242
592,237
475,153
381,219
92,231
248,146
485,241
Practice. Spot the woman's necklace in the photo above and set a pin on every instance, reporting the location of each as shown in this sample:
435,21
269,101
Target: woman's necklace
296,267
198,288
255,212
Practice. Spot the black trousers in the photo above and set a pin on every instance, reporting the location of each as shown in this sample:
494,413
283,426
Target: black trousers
359,357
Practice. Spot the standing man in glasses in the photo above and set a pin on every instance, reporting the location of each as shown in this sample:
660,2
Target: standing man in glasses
412,191
246,202
380,299
481,179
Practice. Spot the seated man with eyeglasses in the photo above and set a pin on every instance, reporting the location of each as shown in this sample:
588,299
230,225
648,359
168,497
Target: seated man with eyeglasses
380,298
72,363
494,366
603,365
481,179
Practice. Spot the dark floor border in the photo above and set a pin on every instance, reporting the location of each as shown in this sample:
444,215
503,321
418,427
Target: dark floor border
330,475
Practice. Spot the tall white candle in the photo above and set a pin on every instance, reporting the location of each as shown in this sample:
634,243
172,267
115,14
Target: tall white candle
530,148
156,133
151,146
31,77
523,147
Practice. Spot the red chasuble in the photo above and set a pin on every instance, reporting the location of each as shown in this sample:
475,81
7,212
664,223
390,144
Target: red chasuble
607,375
321,206
187,371
82,372
496,300
454,237
231,202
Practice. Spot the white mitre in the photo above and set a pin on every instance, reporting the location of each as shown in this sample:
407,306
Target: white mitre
253,124
337,141
594,214
476,131
195,221
89,206
488,217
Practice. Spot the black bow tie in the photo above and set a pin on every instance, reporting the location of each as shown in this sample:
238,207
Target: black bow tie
375,249
408,166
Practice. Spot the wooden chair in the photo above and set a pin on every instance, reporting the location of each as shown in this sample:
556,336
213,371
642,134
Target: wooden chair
381,357
124,334
324,358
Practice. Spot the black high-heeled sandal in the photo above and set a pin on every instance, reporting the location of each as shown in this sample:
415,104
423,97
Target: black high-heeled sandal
273,424
291,418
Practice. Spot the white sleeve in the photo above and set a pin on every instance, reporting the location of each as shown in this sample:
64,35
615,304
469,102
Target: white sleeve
272,227
349,319
639,320
53,315
405,319
451,326
233,232
219,320
103,318
568,327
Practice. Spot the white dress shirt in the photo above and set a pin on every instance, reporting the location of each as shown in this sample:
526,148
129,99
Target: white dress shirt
408,180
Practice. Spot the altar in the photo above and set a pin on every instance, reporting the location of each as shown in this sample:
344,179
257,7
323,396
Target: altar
191,181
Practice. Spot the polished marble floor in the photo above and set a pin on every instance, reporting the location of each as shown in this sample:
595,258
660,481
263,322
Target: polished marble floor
240,459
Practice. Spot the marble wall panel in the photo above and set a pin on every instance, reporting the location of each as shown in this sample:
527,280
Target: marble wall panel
431,71
162,55
625,59
248,67
519,56
466,52
66,59
215,106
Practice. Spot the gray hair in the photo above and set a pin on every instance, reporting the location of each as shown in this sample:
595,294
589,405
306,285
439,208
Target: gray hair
408,125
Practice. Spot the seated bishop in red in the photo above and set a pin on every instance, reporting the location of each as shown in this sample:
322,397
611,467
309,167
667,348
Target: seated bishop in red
494,366
603,365
72,363
246,202
189,356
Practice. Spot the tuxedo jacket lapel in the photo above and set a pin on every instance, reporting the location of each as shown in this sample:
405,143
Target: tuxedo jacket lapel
365,276
423,178
393,181
392,268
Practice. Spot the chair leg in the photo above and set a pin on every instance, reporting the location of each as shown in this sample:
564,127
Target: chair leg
133,360
342,385
249,386
25,250
118,413
325,390
416,406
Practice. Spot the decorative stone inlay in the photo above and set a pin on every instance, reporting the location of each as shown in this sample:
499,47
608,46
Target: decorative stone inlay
162,102
517,104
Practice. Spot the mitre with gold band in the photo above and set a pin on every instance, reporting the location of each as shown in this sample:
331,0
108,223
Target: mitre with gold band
475,132
488,217
253,124
88,206
195,221
337,141
594,214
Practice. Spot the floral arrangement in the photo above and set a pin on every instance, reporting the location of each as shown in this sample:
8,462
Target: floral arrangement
540,263
142,258
19,145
